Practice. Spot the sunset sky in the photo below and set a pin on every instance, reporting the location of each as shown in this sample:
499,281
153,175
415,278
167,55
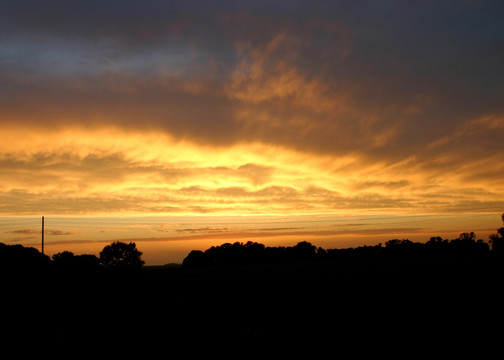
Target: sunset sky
185,124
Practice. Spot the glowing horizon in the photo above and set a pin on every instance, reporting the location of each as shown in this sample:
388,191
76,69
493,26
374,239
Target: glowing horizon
170,238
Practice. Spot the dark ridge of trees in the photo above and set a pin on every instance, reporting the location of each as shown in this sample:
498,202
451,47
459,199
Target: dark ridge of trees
238,253
118,255
250,253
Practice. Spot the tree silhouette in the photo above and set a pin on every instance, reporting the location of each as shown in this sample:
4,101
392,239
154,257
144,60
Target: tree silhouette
303,251
196,258
63,258
467,245
121,255
467,237
67,260
497,240
20,258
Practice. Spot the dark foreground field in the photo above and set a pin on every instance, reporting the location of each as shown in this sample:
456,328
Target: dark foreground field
401,306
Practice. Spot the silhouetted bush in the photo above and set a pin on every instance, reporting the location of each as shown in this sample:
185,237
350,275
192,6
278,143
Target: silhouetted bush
67,260
20,258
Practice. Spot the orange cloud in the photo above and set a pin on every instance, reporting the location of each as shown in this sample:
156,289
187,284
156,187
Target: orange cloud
247,112
77,171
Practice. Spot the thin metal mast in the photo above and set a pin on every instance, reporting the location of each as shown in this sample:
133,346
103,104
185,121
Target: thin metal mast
42,234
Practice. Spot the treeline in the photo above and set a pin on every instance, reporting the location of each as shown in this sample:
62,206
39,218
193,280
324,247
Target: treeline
465,246
118,255
398,294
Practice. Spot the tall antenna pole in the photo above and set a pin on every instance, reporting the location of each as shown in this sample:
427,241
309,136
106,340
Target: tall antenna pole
42,235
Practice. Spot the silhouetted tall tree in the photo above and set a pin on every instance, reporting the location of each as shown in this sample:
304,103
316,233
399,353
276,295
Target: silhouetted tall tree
497,240
121,255
468,237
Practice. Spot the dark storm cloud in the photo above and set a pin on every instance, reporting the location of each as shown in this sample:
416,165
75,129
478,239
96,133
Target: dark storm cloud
384,79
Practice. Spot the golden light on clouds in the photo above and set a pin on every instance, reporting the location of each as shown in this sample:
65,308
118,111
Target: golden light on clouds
153,169
103,171
328,108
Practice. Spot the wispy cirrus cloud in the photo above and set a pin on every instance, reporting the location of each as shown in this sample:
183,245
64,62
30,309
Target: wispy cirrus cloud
38,232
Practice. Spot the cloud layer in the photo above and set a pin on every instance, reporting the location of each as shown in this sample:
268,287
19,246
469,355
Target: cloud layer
251,107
